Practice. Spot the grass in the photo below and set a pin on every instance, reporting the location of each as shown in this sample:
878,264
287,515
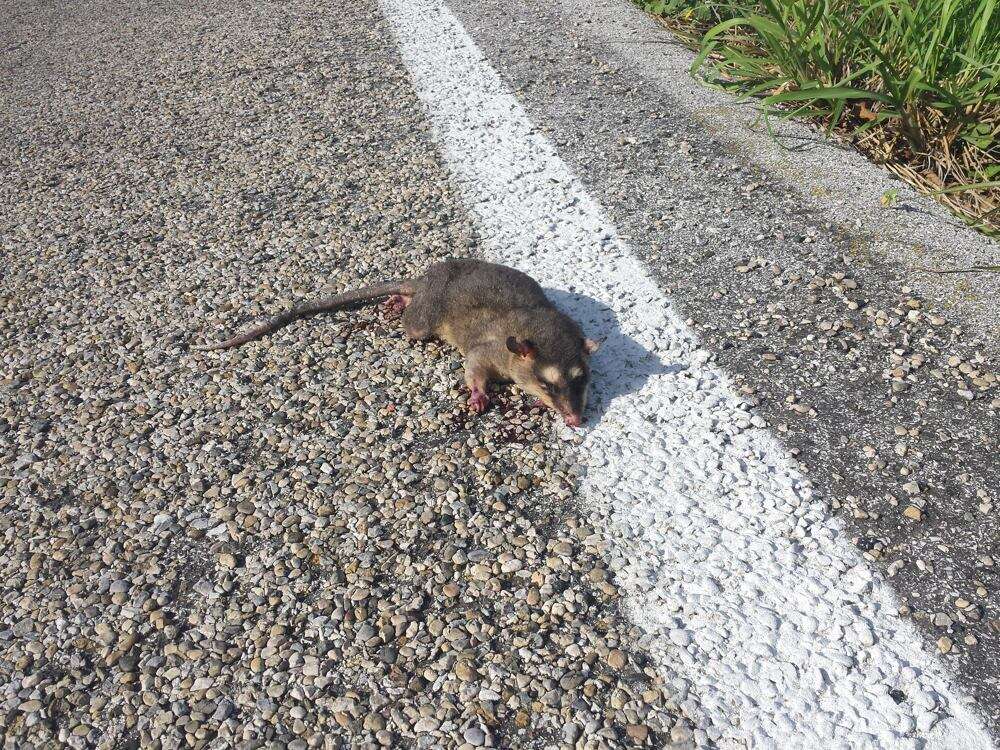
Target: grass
914,83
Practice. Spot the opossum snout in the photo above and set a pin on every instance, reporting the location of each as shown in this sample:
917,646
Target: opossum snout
558,372
564,390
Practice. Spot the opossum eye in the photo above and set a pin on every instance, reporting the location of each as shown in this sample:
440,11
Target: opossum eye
552,389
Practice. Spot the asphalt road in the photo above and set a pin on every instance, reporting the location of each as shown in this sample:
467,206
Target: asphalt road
804,289
778,528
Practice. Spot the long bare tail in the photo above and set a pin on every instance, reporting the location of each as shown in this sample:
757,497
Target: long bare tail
354,298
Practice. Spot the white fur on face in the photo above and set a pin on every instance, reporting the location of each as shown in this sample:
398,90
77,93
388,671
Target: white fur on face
549,373
575,372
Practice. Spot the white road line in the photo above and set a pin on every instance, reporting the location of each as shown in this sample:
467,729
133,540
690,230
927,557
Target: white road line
756,604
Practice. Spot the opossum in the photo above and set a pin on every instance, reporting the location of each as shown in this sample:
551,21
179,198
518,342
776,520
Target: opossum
498,318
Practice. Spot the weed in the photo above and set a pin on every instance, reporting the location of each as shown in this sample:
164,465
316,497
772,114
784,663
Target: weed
916,83
889,197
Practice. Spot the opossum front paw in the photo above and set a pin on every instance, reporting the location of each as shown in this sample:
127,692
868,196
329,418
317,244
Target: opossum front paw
478,401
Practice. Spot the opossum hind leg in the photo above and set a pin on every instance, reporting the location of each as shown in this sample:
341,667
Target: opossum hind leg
397,303
417,321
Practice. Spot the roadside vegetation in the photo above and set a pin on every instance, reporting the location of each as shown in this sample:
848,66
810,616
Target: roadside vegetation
915,84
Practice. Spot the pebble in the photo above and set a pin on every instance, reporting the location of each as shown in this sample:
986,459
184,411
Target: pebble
475,736
616,659
571,732
637,732
426,724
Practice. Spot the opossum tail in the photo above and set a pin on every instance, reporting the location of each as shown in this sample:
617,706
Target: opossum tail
354,298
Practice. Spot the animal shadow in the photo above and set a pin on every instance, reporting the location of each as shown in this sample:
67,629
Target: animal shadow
622,365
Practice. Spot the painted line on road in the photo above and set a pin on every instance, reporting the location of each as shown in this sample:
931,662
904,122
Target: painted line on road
756,606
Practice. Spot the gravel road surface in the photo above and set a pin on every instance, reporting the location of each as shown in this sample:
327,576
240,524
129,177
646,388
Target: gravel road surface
308,542
880,380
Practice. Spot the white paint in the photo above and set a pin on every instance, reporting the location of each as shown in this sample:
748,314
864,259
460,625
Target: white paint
750,593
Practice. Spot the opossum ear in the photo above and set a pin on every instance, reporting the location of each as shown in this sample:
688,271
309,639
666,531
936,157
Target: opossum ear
524,347
590,345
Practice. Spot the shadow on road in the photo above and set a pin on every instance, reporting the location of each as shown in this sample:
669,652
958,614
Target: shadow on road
622,365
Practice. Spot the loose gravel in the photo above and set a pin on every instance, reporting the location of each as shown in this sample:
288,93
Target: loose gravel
306,542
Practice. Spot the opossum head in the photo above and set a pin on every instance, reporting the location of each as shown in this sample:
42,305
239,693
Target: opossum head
556,370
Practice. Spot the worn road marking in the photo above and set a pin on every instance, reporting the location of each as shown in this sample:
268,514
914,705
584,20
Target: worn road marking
756,606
